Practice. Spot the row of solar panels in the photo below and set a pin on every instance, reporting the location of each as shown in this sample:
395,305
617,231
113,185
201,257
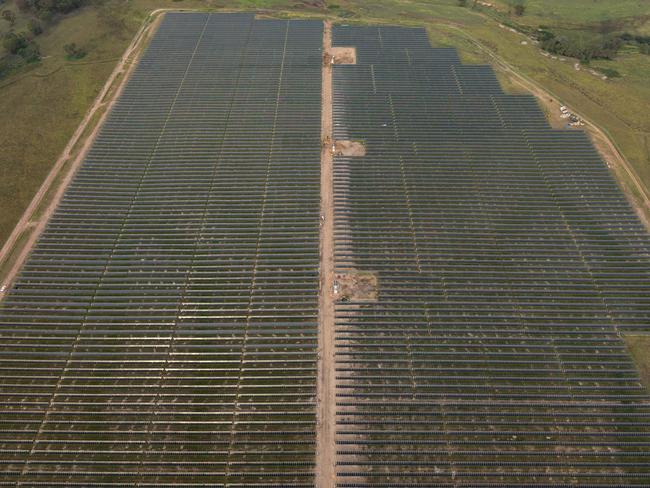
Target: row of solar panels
164,330
508,264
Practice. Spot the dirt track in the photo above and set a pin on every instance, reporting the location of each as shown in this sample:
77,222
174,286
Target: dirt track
325,438
33,229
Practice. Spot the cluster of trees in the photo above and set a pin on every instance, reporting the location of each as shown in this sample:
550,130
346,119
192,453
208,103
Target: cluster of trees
21,45
602,48
46,9
643,42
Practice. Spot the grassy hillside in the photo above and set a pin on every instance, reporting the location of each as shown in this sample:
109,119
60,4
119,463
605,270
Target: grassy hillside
41,104
579,12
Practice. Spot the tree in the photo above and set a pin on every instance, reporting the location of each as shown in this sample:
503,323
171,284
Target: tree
519,8
462,3
14,43
9,16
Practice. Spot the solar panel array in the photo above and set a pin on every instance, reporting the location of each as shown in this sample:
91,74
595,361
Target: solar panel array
509,265
164,330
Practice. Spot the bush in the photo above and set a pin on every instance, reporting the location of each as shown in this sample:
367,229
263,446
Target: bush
609,72
30,53
73,51
9,16
35,27
603,48
14,43
20,45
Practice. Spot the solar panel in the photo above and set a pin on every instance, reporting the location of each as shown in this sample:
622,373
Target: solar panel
163,331
508,265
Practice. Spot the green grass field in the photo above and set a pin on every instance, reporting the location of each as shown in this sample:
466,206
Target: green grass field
563,12
42,104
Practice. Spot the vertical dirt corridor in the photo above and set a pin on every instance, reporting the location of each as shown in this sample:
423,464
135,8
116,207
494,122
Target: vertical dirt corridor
325,437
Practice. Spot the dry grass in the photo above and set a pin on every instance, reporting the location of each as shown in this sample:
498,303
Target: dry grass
639,347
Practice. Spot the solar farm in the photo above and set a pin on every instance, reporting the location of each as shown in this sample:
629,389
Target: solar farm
508,264
167,328
164,330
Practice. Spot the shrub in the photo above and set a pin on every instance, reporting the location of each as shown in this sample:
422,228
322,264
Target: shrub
35,27
9,16
30,53
609,72
73,51
14,43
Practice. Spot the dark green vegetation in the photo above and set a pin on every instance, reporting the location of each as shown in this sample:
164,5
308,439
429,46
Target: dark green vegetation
19,41
565,36
508,263
164,329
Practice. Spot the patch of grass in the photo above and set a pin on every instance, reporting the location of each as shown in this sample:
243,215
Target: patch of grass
639,347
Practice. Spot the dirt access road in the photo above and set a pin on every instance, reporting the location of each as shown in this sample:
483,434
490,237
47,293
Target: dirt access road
326,409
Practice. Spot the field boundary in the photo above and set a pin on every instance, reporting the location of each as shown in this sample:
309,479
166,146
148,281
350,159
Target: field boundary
16,249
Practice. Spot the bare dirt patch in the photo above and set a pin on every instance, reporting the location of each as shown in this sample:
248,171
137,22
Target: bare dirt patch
349,148
344,55
356,285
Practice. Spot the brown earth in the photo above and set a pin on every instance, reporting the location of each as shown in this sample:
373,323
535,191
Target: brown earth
349,148
356,285
326,409
344,55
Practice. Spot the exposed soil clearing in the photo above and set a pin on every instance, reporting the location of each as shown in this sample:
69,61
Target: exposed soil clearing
343,55
326,407
33,228
355,285
349,148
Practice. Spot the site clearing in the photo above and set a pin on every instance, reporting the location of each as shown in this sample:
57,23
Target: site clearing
301,254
